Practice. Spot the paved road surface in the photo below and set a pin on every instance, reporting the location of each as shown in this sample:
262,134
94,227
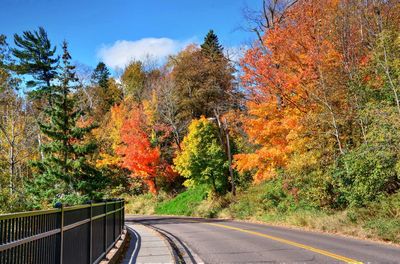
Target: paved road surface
222,241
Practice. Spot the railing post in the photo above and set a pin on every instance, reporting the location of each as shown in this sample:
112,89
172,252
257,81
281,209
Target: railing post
62,234
105,227
114,220
123,214
120,217
91,233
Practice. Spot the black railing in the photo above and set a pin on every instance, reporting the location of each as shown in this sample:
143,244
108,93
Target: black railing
70,235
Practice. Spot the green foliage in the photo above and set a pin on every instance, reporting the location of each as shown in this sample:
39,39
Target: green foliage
100,75
184,203
65,172
202,160
211,47
105,88
380,217
365,174
37,57
370,171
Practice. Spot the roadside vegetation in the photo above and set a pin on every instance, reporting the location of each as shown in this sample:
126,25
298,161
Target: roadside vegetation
377,220
302,128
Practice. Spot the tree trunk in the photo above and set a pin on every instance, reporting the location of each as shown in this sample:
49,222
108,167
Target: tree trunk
230,160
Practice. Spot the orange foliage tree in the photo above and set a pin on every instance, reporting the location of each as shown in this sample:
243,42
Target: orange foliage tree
294,74
139,151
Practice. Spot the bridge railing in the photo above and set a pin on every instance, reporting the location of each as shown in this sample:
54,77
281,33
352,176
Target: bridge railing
68,235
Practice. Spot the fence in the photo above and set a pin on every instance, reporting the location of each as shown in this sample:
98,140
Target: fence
70,235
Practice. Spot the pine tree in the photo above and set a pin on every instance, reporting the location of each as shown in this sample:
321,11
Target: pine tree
211,46
37,57
100,75
65,172
104,89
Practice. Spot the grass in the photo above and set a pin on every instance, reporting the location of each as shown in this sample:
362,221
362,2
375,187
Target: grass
184,203
141,204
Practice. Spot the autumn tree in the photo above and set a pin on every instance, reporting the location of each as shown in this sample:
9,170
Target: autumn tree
202,159
139,154
301,73
204,79
17,138
133,80
168,107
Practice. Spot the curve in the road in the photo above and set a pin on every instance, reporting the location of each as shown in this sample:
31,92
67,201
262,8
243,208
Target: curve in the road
224,241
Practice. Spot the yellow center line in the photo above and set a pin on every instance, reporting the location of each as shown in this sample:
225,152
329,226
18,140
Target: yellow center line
285,241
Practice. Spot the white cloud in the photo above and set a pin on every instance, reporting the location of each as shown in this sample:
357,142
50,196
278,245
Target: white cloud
119,54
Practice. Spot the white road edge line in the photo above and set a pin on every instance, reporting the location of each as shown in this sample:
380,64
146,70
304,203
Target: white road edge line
136,244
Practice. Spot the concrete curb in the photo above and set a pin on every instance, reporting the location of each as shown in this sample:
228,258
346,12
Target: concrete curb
117,252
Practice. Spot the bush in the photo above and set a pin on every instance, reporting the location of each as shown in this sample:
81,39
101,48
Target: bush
365,175
382,217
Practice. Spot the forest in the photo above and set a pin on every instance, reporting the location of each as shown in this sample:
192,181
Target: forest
303,131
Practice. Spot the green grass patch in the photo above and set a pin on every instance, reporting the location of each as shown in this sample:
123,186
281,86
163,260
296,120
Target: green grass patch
184,203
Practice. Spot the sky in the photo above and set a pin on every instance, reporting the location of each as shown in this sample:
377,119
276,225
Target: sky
117,31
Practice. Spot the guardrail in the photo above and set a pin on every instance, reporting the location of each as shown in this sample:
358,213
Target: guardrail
68,235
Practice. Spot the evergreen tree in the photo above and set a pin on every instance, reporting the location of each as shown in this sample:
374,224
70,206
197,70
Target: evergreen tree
105,90
37,57
66,172
211,46
100,75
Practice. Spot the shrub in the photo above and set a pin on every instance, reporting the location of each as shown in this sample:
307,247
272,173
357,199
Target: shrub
365,174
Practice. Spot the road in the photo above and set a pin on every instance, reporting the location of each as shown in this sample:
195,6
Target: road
225,241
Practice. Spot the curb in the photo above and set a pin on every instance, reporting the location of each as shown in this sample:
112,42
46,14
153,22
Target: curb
118,251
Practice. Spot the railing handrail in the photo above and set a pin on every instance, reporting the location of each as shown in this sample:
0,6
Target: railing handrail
53,210
25,230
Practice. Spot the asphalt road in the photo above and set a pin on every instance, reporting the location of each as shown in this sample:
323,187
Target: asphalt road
223,241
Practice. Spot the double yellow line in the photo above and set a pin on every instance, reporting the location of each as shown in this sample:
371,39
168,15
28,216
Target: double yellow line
299,245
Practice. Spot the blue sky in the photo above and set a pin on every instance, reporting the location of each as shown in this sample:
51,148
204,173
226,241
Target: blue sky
112,30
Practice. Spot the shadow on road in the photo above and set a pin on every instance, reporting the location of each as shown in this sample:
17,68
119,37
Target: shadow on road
170,220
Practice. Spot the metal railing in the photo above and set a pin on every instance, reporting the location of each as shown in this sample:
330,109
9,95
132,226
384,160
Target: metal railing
69,235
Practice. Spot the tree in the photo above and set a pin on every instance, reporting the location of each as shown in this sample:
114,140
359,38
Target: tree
203,84
36,57
202,159
133,80
106,91
17,138
100,75
211,46
4,73
66,172
297,82
168,108
138,153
